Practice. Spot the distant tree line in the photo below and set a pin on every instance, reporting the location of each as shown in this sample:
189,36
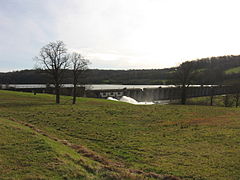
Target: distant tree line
92,76
209,71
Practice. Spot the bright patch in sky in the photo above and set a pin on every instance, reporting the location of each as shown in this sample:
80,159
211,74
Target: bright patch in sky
120,34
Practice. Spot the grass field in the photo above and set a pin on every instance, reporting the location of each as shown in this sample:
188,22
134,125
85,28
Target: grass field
190,142
25,154
233,70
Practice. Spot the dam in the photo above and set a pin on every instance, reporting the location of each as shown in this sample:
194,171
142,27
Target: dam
141,93
164,92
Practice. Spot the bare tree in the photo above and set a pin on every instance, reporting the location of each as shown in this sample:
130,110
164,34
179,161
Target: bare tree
54,59
184,75
78,64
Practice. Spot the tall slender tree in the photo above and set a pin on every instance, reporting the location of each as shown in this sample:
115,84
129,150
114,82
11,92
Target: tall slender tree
78,65
54,59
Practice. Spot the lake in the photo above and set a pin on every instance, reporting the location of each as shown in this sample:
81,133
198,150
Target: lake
88,86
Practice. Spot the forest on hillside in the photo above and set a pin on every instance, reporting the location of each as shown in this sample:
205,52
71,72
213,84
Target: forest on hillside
213,70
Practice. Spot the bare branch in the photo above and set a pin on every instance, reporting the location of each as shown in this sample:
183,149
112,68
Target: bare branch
78,65
53,58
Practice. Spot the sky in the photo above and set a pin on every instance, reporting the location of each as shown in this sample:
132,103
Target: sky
119,34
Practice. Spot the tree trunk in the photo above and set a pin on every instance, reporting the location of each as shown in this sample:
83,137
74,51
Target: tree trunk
211,98
74,93
75,81
184,98
57,89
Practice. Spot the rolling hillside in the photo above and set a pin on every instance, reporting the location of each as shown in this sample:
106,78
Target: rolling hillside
100,139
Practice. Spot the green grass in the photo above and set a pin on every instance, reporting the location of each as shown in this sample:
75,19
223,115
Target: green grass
27,155
200,70
192,142
233,70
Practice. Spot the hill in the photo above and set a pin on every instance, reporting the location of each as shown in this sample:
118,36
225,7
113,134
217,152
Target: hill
105,139
92,76
213,70
235,70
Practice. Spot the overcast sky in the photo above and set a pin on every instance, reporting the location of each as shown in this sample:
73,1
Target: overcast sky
119,34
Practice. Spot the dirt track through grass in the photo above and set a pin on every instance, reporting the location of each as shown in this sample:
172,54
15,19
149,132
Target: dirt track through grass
105,163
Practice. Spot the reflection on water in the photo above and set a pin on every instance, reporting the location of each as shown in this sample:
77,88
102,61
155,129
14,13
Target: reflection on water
88,86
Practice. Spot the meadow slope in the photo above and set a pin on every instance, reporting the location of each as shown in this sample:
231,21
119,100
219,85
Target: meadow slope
191,142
